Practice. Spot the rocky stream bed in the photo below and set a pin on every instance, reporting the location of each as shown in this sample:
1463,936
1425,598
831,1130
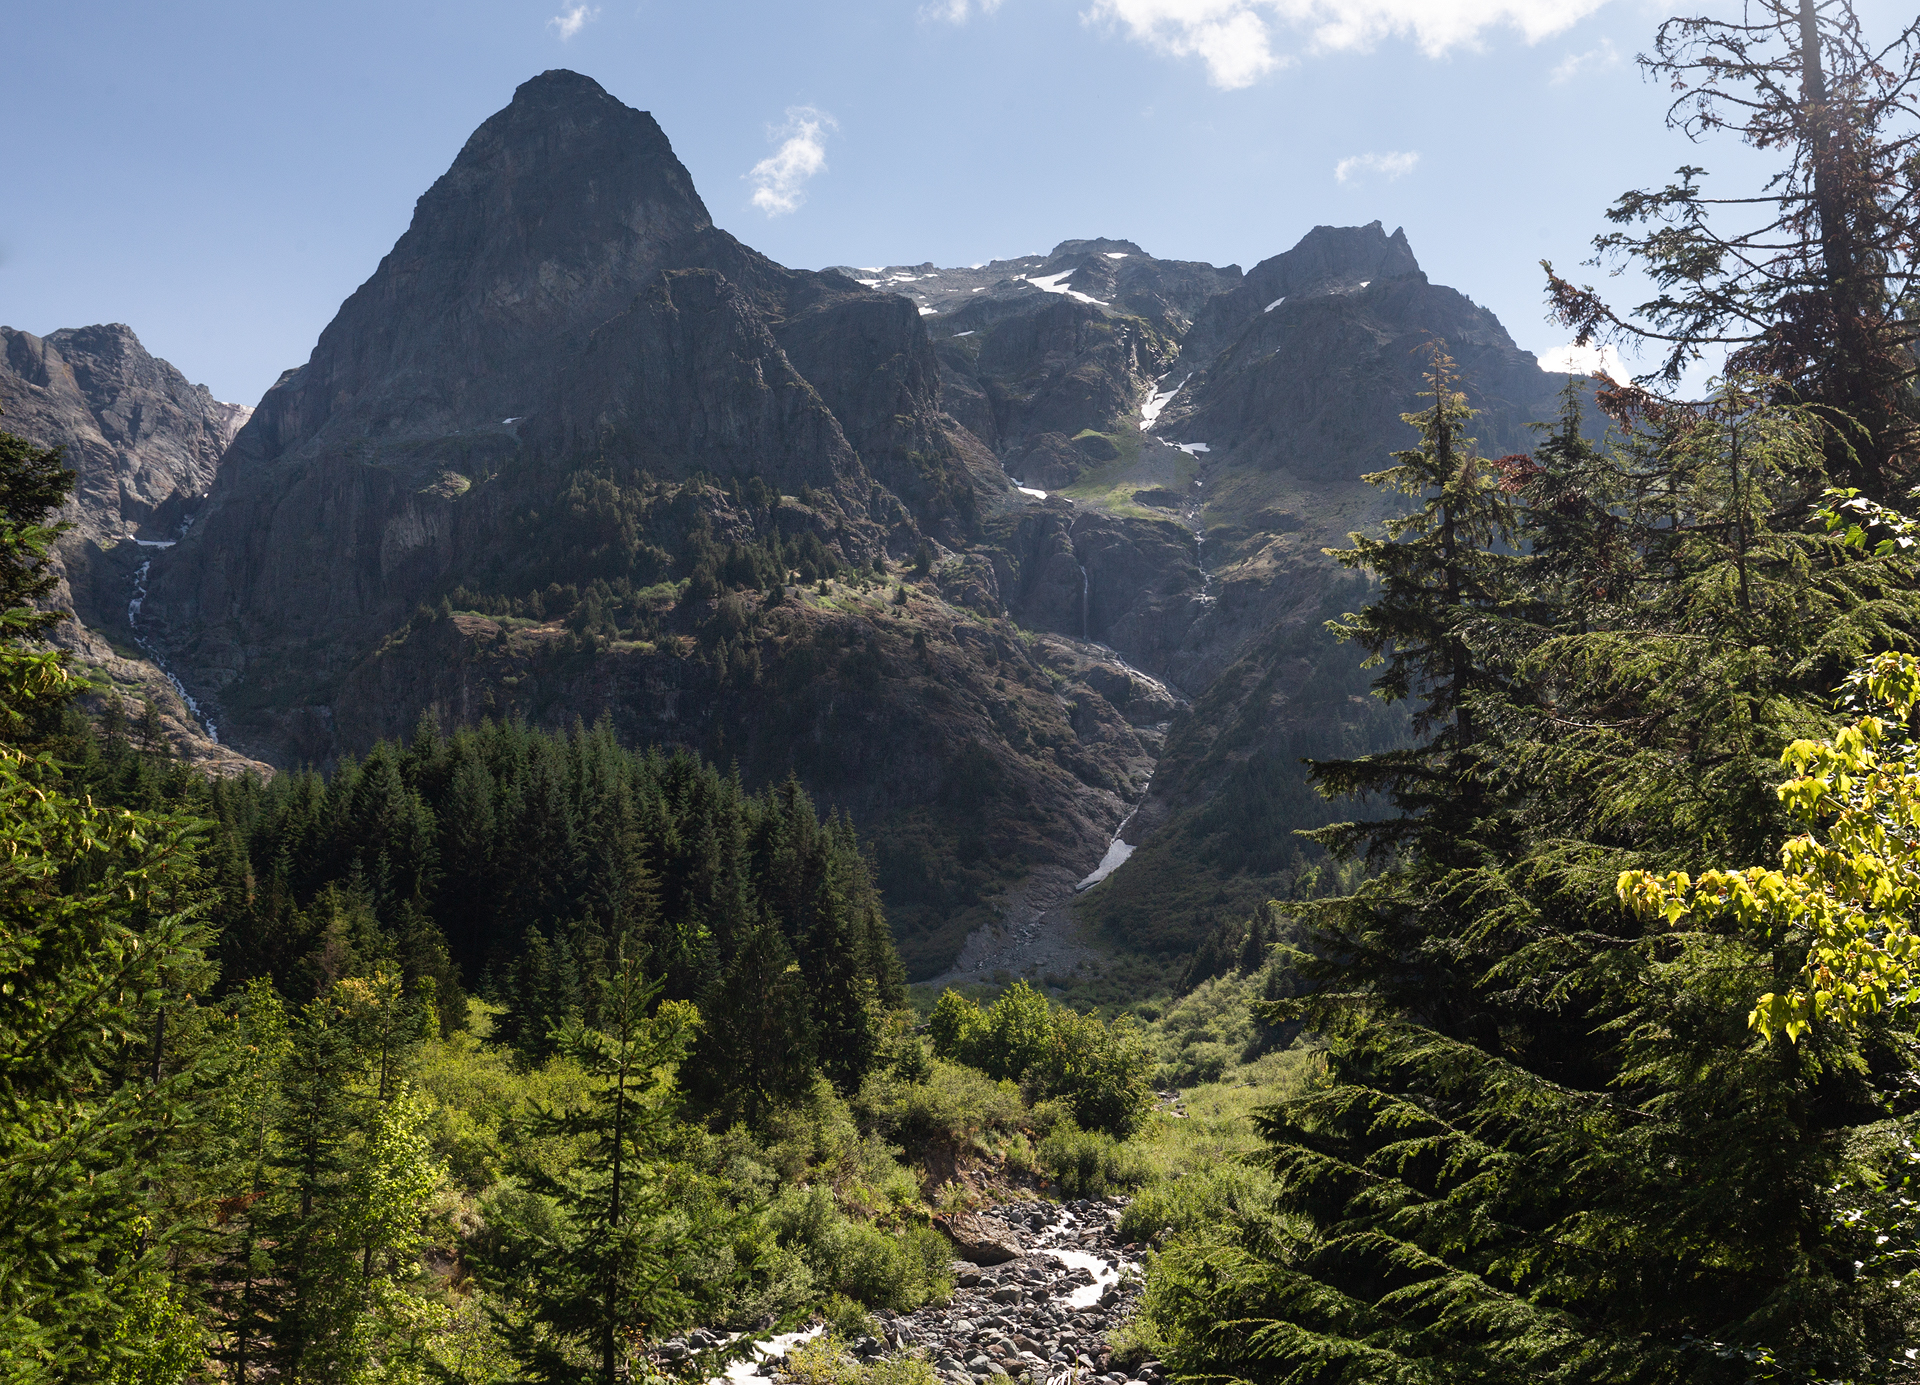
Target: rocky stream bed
1038,1290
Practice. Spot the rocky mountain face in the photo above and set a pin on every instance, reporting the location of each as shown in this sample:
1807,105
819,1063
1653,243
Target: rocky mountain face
143,444
980,554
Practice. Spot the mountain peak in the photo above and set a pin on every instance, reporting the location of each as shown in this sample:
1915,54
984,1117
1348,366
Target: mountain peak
1330,255
554,214
560,86
1099,245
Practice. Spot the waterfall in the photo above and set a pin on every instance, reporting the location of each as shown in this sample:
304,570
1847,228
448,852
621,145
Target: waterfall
134,603
1086,600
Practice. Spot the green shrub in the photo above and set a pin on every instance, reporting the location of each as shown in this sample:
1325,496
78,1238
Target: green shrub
894,1270
1101,1070
955,1026
900,1370
847,1320
822,1361
954,1104
826,1361
1090,1163
1200,1200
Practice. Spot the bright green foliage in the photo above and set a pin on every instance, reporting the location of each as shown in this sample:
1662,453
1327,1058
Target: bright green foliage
1089,1163
98,944
858,1259
1853,891
344,1186
1101,1070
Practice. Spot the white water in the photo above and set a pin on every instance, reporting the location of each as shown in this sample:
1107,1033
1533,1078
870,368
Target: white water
1103,1275
1086,599
742,1372
134,603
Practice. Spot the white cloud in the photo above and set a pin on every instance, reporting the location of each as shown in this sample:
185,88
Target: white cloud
1388,166
957,11
1234,38
573,19
779,181
1571,66
1585,360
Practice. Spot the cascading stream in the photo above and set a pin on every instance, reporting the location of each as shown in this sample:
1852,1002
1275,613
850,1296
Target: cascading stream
139,599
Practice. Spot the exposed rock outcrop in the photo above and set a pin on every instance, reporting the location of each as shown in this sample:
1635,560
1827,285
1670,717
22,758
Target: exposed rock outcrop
144,445
982,1241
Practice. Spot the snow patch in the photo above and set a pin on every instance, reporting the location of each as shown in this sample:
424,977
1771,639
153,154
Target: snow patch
981,289
1276,303
1150,411
1029,490
1365,282
1054,283
1191,449
1115,254
515,419
870,283
929,312
1115,858
969,332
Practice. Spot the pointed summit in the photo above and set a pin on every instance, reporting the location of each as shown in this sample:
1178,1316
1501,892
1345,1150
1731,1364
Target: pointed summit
553,216
1334,256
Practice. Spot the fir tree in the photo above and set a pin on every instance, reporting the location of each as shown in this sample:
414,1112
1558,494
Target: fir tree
613,1274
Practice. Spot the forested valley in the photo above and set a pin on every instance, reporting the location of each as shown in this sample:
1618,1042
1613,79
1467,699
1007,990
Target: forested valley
506,1054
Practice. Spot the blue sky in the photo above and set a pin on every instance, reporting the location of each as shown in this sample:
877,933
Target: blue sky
220,175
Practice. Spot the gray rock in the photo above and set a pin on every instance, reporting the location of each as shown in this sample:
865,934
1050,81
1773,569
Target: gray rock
981,1240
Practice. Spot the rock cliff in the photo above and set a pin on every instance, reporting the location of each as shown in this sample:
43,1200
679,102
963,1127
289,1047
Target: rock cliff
143,444
979,553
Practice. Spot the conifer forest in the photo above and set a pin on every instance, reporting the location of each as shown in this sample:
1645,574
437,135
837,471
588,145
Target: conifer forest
1578,1046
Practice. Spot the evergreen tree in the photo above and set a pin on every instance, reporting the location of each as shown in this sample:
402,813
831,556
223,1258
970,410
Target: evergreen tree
99,949
611,1273
756,1046
1542,1141
244,1119
1441,568
1815,291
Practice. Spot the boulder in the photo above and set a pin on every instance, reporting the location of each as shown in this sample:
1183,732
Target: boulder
982,1241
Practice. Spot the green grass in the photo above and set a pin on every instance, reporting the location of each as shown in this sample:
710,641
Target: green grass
1110,486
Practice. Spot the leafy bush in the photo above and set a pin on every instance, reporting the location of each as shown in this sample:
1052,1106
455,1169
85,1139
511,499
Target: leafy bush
1090,1163
954,1104
1199,1200
826,1361
1101,1070
898,1271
